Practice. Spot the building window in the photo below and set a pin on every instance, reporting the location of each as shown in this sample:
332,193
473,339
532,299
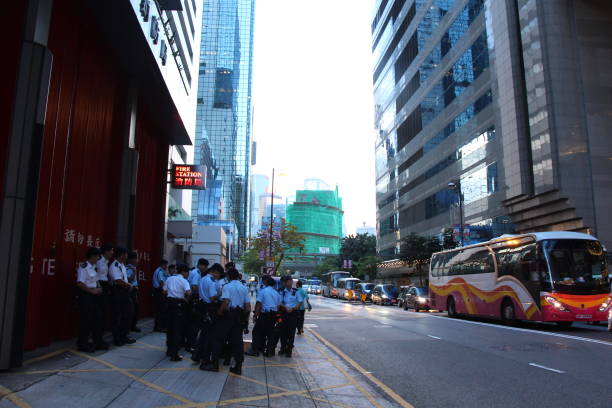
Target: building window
224,90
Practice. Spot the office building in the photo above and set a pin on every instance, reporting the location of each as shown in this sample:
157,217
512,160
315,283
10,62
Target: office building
506,99
224,109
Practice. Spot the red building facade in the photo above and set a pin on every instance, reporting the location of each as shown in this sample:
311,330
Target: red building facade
103,162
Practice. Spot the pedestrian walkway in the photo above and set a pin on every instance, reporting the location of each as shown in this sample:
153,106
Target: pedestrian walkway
140,375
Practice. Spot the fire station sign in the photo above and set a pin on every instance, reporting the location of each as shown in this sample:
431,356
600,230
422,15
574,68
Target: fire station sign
188,177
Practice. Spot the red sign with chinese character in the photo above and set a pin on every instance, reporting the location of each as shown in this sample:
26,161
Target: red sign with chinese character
188,177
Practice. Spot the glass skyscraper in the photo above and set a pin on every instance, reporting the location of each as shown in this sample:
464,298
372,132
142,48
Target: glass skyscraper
223,122
504,98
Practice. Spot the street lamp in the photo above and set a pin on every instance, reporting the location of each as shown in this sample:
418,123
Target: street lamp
455,185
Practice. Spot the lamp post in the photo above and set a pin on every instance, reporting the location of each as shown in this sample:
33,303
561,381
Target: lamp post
271,215
455,185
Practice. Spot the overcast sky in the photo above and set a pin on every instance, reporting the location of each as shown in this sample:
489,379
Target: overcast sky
312,98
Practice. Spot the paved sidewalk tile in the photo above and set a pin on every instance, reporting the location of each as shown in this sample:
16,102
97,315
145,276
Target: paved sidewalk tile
140,375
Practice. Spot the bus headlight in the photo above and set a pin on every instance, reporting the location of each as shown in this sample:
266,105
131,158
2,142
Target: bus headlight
421,299
605,305
556,304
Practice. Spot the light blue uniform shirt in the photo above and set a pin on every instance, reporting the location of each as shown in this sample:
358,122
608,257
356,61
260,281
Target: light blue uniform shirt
207,288
269,299
131,272
291,297
220,284
194,277
237,294
159,276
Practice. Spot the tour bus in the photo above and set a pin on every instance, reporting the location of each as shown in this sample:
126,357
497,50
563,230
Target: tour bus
346,288
329,282
559,277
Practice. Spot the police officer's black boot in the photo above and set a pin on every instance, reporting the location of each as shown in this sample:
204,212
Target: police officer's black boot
211,365
237,369
227,361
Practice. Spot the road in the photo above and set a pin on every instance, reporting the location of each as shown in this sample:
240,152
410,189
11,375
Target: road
431,360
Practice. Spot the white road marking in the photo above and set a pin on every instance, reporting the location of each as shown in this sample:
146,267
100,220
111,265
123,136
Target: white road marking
547,368
382,326
433,337
310,325
565,336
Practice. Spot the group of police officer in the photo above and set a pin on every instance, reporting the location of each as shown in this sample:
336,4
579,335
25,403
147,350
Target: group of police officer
204,310
107,282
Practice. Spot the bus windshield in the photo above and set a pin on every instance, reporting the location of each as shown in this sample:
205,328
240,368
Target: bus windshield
351,283
576,266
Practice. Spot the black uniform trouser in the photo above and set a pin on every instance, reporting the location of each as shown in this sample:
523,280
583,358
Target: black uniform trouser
161,309
122,312
300,320
106,300
288,330
193,323
135,307
177,313
208,322
229,328
263,332
91,323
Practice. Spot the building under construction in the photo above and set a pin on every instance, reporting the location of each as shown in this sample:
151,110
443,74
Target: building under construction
317,214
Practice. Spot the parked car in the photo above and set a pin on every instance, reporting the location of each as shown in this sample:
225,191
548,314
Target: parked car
417,298
363,291
385,294
402,295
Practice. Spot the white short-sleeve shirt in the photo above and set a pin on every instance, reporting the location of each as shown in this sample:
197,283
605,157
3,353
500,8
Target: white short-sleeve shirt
87,274
177,286
102,268
118,271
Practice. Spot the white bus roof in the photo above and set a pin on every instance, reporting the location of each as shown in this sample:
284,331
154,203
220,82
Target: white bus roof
537,236
540,236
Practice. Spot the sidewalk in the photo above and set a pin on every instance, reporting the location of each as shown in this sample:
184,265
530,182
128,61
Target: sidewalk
140,375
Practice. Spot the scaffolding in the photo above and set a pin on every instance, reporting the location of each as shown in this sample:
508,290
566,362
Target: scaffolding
318,215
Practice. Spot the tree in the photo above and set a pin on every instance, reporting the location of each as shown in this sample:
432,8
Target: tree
288,238
361,250
327,265
416,251
367,266
252,262
355,247
448,240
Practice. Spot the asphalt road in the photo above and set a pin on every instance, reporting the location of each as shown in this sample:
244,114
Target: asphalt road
431,360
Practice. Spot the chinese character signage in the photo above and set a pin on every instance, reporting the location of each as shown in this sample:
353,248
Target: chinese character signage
189,177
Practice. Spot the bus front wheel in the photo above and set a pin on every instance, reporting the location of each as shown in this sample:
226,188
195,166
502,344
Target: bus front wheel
507,312
450,306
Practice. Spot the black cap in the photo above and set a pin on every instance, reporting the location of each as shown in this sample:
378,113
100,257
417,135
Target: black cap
182,267
92,251
286,278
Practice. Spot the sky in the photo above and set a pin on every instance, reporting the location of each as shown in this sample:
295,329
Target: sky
312,99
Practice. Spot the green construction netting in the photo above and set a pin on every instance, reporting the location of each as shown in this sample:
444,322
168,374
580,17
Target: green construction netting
318,212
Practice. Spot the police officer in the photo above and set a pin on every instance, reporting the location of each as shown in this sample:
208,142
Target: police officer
179,292
122,301
264,317
209,304
132,274
159,277
194,322
291,302
234,308
90,307
106,252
